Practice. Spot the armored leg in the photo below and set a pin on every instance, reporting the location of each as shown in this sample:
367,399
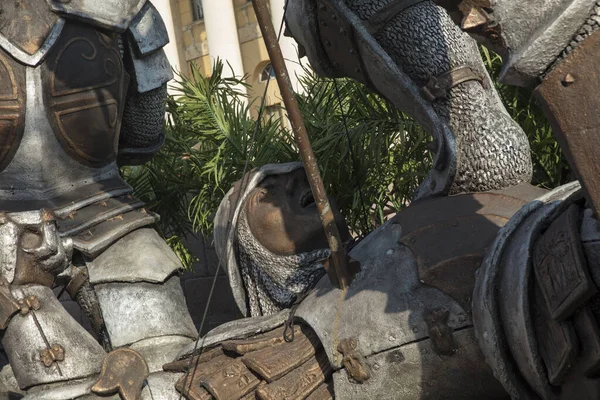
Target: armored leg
48,350
412,53
142,303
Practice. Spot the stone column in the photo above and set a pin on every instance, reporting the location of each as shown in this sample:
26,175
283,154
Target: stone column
288,45
222,36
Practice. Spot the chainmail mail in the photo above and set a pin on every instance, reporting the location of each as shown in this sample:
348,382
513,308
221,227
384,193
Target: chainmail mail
492,150
143,118
591,25
274,282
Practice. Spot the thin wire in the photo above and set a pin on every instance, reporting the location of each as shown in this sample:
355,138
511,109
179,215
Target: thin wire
243,188
352,156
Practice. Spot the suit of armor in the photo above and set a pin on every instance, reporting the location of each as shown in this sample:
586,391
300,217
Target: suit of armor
82,89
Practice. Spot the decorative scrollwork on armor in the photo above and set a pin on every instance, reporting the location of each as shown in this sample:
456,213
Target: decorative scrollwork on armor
12,108
85,80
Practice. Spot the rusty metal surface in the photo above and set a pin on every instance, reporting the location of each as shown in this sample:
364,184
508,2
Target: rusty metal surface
95,240
84,88
340,274
576,123
299,383
270,365
124,371
51,355
94,214
560,266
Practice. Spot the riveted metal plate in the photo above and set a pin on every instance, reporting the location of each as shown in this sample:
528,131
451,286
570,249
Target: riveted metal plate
22,341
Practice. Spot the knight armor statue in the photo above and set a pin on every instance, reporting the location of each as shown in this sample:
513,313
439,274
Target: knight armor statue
82,91
490,292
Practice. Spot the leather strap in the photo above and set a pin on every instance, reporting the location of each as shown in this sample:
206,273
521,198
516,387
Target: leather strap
438,86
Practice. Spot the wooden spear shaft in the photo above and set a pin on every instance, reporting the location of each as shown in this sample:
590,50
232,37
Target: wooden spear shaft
339,274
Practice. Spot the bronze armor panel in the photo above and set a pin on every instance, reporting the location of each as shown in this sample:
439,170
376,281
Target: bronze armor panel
84,87
12,107
27,24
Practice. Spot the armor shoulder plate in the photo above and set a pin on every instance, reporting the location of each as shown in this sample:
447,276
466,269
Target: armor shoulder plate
115,15
145,38
150,71
148,30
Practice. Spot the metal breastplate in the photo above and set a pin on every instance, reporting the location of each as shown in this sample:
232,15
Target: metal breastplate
64,133
60,113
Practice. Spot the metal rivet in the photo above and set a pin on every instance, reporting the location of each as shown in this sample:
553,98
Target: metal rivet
569,79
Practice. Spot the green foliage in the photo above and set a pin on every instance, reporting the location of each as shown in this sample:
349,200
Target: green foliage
383,155
371,170
208,141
